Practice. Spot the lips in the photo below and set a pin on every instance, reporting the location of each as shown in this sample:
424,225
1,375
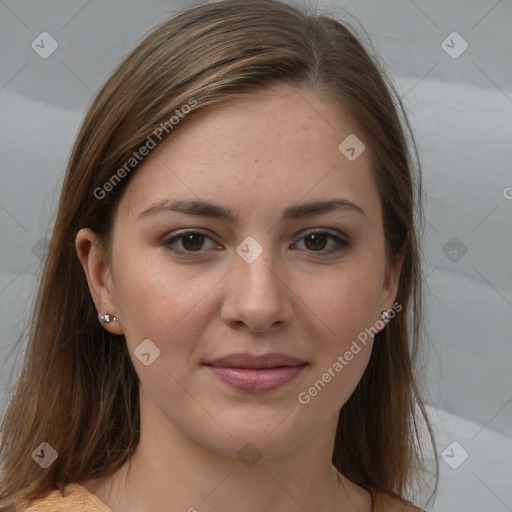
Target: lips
272,360
256,373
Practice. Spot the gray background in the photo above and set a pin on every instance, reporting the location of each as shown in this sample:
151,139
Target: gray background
461,112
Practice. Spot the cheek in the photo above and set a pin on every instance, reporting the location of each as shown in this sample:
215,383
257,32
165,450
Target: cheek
344,310
346,303
156,303
343,351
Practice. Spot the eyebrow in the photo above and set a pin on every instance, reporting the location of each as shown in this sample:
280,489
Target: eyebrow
206,209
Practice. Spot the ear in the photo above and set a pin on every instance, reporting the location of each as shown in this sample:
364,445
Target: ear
391,282
99,277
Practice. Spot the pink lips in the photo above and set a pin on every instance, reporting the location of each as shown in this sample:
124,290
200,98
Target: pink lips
256,374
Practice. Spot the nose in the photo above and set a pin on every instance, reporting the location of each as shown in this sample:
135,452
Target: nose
257,297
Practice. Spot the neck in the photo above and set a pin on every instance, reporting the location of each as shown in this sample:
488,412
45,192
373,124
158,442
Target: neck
172,473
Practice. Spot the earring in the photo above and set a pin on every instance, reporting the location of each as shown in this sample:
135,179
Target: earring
106,319
385,316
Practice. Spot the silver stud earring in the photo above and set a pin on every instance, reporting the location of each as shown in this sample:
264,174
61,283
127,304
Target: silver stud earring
385,316
106,319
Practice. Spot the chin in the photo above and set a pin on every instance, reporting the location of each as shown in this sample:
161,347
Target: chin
271,435
249,447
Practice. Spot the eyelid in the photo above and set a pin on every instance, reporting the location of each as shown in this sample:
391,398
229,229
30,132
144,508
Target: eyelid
185,231
325,231
180,233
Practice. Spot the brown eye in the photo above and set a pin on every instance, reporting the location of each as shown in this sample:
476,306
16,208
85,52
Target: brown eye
322,242
192,242
316,241
188,243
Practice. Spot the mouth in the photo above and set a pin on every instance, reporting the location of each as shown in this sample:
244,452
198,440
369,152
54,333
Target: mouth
256,374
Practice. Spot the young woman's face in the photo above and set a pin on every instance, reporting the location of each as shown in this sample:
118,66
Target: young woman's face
252,299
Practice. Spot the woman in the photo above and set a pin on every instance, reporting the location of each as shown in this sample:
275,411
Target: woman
230,307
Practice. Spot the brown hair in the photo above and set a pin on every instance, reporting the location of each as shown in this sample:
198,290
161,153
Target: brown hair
78,389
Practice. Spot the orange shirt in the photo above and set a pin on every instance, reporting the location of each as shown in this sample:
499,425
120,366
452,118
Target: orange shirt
76,498
70,498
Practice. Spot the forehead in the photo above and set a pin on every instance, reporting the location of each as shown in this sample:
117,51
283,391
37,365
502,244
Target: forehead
275,147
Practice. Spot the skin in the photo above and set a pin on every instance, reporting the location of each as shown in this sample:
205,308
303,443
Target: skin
256,156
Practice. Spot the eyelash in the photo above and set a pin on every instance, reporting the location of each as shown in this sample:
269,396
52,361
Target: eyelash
169,241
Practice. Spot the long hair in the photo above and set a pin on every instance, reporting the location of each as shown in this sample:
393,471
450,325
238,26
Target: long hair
77,389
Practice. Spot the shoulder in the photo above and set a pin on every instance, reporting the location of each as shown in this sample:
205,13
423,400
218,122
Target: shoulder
383,502
68,498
